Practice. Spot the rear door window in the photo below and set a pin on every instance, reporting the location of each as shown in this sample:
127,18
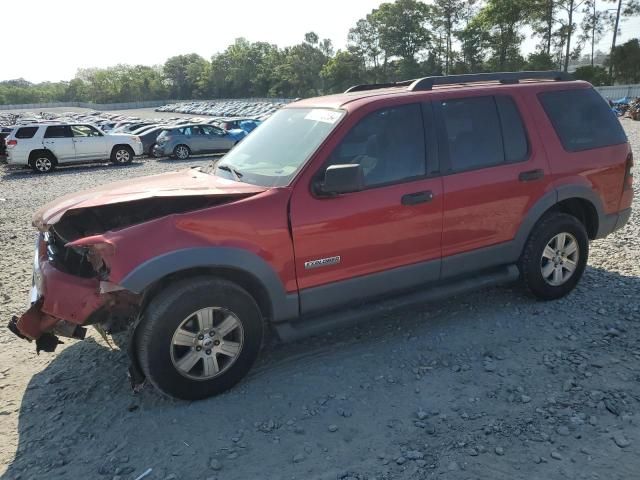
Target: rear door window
582,119
473,132
26,132
516,146
58,131
85,131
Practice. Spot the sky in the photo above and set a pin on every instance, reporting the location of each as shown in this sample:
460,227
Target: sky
50,40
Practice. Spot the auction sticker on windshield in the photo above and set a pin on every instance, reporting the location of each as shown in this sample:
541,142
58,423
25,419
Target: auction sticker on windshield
323,115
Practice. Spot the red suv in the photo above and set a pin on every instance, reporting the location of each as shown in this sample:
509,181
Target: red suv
335,208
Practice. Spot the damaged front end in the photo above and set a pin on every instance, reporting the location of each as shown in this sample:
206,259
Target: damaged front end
69,291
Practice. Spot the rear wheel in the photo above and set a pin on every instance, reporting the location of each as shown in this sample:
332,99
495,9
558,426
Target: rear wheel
122,155
199,337
42,162
181,152
555,256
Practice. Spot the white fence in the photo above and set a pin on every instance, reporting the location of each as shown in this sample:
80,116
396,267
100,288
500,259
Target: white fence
615,92
129,105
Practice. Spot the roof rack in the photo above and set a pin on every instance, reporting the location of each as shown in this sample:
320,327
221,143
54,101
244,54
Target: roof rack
427,83
375,86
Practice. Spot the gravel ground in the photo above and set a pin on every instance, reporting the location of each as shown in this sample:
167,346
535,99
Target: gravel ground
492,385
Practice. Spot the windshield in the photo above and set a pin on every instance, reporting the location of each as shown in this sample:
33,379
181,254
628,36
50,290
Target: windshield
275,152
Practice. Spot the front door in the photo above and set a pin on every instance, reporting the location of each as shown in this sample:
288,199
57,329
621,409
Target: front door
215,139
90,144
368,244
59,139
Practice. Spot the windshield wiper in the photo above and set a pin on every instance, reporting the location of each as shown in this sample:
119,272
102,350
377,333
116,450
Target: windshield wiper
228,168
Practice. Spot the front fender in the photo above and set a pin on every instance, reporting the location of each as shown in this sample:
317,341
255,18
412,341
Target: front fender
284,305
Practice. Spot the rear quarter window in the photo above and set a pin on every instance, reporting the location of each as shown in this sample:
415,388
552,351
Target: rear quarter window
26,132
582,119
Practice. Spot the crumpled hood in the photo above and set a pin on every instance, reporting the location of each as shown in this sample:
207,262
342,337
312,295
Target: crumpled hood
183,183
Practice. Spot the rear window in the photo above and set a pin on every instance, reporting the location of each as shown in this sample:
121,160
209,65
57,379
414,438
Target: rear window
582,119
58,131
26,132
514,137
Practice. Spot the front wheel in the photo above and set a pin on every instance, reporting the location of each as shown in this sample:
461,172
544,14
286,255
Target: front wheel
555,256
122,155
199,337
181,152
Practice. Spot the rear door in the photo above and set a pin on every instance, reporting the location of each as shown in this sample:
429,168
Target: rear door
90,144
493,175
59,139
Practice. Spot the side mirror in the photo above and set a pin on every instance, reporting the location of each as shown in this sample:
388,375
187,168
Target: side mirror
342,179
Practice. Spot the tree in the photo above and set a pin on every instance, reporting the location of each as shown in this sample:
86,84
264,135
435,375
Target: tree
500,20
448,13
625,61
183,73
344,70
595,24
595,75
401,27
570,7
631,8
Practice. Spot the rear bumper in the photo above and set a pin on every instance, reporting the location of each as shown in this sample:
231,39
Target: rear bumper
611,223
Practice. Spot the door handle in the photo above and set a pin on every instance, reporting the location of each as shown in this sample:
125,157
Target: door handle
531,175
417,197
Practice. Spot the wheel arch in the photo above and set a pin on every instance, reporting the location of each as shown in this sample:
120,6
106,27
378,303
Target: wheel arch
119,145
577,200
40,151
242,267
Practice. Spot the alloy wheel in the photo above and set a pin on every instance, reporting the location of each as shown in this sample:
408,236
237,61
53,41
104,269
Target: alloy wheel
559,259
43,164
207,343
122,156
182,153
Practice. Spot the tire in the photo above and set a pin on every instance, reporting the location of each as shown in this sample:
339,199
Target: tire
43,162
545,265
153,145
181,152
171,335
122,155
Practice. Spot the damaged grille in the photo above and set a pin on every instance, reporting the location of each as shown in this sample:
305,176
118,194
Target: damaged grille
68,260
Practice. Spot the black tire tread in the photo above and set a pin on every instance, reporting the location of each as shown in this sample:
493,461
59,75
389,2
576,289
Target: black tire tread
161,303
529,261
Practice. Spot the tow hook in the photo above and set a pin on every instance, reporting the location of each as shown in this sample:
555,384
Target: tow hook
47,342
13,327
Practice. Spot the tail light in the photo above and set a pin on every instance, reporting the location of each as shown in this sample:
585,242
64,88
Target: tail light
628,173
12,143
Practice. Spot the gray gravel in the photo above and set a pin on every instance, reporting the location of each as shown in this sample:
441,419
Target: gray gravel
489,385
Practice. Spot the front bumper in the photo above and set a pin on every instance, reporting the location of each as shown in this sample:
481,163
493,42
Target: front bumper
57,299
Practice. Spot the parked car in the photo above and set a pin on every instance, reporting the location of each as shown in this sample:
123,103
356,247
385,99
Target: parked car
149,137
336,209
246,124
4,133
186,140
45,146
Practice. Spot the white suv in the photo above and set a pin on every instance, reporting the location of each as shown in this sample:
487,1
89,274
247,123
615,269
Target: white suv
44,146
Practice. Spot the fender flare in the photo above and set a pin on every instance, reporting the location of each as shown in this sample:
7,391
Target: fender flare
547,201
284,306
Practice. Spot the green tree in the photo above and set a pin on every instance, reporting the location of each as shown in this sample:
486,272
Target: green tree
402,29
597,75
344,70
183,73
626,62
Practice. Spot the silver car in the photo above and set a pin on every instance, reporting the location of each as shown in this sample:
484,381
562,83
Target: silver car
182,141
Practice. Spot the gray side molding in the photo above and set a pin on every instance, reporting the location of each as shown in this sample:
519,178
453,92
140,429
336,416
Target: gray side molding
284,306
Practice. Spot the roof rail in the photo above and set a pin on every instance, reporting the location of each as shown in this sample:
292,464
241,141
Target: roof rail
375,86
427,83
